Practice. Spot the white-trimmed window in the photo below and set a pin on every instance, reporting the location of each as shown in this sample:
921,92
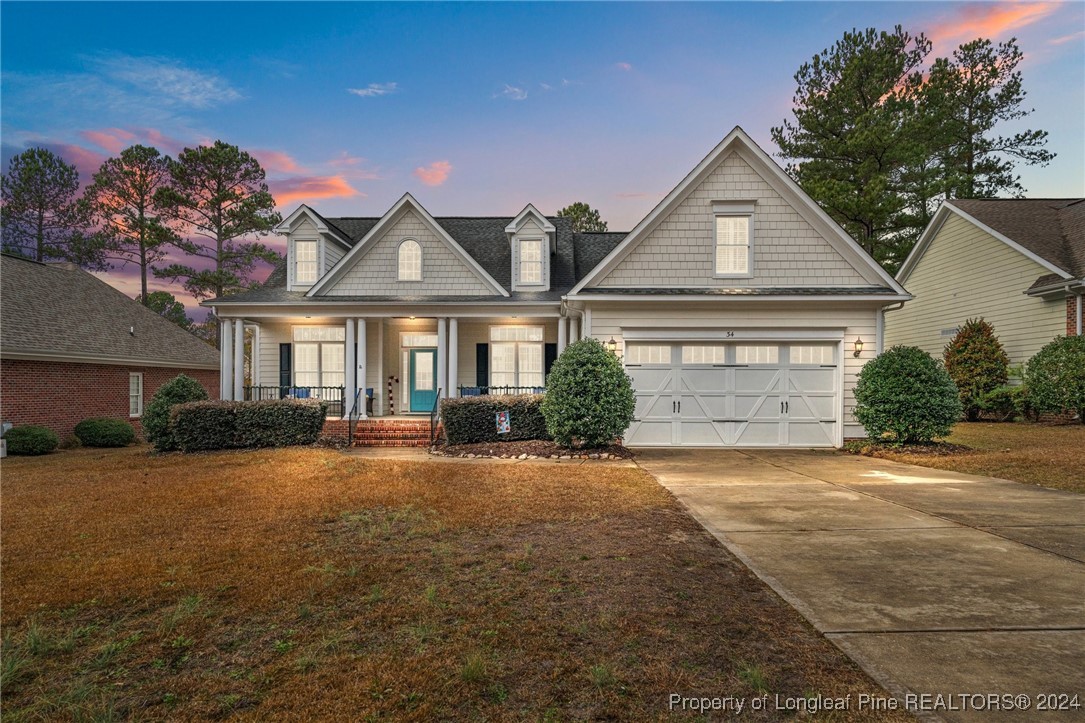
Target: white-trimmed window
516,356
732,245
531,261
305,253
410,260
757,354
135,394
647,353
812,354
319,356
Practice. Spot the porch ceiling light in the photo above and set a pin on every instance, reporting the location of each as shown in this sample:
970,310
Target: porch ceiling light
858,346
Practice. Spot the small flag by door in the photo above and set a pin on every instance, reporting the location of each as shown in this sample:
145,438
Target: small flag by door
503,425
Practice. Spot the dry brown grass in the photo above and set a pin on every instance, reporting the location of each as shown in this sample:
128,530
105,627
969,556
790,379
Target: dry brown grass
1052,455
304,584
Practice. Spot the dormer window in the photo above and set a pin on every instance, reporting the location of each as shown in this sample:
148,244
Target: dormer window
531,261
734,243
410,261
305,262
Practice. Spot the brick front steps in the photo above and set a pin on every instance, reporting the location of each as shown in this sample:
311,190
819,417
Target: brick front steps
392,433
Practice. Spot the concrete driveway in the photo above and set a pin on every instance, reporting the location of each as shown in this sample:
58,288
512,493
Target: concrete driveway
935,582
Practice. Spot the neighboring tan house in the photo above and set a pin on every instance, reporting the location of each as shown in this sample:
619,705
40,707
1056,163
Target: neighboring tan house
73,347
737,306
1018,263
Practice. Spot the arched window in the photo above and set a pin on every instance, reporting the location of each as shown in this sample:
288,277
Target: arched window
410,261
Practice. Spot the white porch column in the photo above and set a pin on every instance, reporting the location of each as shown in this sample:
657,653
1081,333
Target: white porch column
348,369
587,323
563,331
360,368
442,357
453,358
255,365
239,360
574,329
226,368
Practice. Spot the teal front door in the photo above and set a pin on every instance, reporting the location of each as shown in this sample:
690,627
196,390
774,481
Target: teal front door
423,379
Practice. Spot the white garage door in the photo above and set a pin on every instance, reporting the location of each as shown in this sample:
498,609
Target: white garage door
734,394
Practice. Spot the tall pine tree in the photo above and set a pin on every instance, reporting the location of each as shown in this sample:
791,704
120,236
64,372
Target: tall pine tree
41,217
122,201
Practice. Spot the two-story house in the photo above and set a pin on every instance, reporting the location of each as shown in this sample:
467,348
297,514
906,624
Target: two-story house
740,310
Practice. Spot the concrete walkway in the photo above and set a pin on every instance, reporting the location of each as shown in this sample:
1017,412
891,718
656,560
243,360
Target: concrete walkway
934,582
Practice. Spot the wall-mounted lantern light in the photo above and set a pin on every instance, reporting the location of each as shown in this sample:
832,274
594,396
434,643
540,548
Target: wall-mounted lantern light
612,346
858,346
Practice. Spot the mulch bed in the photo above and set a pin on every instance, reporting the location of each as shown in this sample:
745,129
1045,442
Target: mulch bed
530,449
886,451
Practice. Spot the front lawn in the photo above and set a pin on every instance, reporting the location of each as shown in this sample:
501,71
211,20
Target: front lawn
303,583
1042,454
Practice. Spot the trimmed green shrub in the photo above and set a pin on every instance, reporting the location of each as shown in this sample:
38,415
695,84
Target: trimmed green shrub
469,420
1055,377
156,415
906,396
198,426
977,364
589,397
30,439
105,432
279,422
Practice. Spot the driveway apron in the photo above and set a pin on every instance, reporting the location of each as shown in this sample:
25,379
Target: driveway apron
942,586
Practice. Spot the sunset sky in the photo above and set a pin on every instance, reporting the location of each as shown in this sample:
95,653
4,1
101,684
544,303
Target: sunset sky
476,109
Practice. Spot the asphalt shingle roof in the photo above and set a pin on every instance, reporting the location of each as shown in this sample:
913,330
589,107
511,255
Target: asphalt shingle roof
730,291
484,239
60,310
1051,228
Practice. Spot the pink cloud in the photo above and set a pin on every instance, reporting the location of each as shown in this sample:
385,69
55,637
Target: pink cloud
982,20
1067,38
352,167
434,174
624,66
113,140
277,161
87,162
308,188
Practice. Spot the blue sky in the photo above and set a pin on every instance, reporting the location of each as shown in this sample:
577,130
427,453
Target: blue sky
475,108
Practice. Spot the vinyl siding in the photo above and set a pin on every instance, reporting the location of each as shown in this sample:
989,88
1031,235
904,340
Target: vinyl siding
855,322
376,273
965,272
787,251
332,253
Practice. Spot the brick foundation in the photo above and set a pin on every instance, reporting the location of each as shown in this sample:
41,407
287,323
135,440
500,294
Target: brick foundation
59,395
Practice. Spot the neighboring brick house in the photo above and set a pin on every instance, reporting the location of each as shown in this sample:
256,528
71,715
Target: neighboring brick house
73,347
1018,263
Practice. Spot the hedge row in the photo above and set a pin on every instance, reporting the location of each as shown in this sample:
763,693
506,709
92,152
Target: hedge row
469,420
196,426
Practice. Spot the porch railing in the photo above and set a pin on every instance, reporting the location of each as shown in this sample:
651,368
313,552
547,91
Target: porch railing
332,395
434,417
496,390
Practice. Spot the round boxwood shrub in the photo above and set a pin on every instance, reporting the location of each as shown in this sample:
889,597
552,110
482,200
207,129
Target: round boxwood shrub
906,396
156,415
977,364
105,432
1055,377
31,440
589,397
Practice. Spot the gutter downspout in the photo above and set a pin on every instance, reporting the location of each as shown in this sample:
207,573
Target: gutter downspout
879,342
1079,305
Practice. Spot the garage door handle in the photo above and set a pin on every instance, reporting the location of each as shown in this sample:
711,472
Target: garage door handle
784,407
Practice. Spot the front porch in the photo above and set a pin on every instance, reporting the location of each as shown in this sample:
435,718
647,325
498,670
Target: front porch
390,366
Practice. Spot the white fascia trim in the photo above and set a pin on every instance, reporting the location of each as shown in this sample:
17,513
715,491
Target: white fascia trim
530,209
284,227
936,223
96,359
393,214
780,182
738,297
1066,285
